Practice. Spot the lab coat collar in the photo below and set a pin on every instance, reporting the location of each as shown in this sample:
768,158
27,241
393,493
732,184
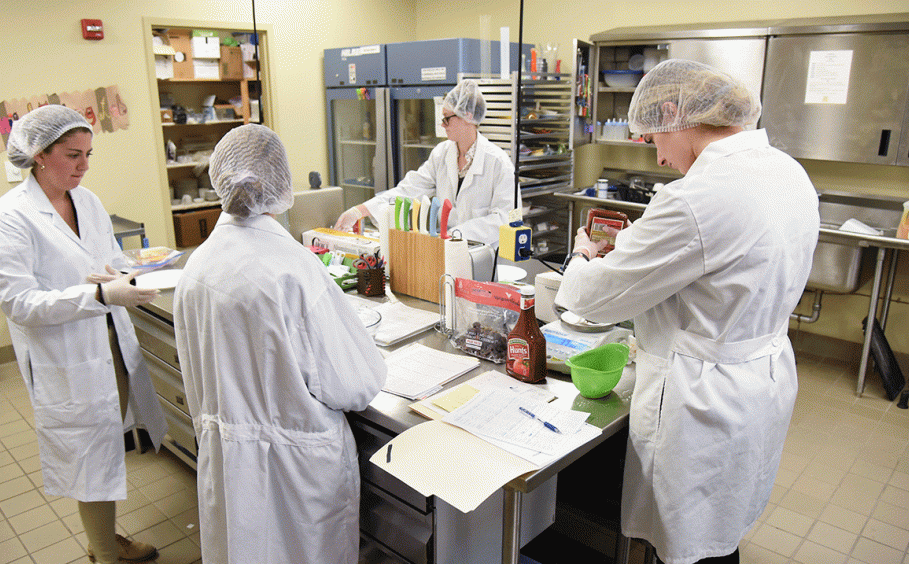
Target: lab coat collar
476,166
45,209
741,141
258,222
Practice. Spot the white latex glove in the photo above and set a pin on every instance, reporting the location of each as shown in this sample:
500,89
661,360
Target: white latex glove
120,292
111,274
583,244
350,217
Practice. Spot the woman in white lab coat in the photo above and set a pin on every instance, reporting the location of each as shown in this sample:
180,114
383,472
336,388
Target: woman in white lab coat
710,273
476,175
272,356
74,342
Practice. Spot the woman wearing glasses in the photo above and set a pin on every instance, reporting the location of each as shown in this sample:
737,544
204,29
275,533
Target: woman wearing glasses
467,169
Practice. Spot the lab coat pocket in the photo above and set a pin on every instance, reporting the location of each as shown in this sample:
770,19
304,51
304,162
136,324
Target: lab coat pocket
647,399
74,395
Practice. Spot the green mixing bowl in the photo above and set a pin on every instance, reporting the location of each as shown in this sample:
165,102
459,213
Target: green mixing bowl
596,372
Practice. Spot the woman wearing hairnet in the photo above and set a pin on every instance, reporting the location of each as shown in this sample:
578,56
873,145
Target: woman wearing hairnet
467,169
74,342
710,273
272,355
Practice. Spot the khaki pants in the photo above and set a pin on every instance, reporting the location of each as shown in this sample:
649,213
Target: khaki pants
99,517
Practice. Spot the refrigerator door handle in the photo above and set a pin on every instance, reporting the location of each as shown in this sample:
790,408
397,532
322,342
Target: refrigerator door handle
383,173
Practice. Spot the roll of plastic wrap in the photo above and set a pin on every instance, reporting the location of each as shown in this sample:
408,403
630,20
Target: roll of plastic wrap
385,221
457,265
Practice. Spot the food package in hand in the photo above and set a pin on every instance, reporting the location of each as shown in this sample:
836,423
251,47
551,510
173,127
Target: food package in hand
152,257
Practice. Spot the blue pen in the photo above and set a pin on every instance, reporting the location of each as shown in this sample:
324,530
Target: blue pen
546,424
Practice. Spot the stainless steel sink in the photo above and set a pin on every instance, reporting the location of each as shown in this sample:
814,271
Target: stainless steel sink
838,260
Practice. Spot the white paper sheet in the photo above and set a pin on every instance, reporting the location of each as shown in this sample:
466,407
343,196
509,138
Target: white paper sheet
398,320
435,458
416,371
497,414
827,81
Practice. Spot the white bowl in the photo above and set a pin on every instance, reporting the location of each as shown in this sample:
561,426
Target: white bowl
622,78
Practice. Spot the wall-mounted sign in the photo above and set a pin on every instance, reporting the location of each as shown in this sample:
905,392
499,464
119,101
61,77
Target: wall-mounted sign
828,77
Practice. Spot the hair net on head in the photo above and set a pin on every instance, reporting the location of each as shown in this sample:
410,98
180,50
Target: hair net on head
696,93
466,101
38,129
250,172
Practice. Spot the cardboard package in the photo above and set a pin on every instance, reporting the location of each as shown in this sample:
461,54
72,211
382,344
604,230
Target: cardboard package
231,63
180,41
193,227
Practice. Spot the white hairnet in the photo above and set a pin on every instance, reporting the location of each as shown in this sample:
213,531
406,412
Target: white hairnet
466,101
38,129
679,94
250,172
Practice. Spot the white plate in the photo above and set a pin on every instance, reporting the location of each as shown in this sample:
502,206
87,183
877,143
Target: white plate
159,279
578,323
508,273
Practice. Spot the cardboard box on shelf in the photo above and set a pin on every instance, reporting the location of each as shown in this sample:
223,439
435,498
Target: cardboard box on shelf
180,41
205,44
193,227
206,69
231,63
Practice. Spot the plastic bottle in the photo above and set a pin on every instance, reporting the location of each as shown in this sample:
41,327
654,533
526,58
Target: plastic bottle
902,232
525,359
367,127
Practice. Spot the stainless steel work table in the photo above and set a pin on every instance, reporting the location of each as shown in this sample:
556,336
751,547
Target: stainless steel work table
882,246
392,412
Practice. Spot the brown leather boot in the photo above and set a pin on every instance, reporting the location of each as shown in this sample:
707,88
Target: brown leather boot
131,551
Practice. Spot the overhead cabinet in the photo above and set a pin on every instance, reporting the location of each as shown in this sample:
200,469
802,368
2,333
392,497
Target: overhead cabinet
839,96
831,88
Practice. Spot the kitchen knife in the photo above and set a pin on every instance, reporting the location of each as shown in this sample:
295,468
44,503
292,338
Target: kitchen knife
398,201
405,215
434,216
443,221
415,214
424,215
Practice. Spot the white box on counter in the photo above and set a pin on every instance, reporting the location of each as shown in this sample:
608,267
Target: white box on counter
353,245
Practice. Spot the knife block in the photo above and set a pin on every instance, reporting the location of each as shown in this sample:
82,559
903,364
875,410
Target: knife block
416,263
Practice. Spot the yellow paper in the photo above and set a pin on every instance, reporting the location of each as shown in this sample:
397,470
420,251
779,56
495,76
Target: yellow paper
455,398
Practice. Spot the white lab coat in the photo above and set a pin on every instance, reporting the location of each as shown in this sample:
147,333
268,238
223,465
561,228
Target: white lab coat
59,332
484,200
272,355
710,273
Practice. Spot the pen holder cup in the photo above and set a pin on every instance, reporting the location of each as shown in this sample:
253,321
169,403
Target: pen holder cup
596,372
371,281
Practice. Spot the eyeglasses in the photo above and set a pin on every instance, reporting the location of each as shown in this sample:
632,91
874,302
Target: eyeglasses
446,119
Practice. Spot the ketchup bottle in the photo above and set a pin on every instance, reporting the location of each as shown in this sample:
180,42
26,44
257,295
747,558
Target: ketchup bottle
526,356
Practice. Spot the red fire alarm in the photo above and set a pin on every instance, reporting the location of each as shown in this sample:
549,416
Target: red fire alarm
92,29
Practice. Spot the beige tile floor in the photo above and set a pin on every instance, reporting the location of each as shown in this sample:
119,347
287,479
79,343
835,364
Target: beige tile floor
841,496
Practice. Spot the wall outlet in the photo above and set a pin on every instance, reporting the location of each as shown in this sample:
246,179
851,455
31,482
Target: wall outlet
13,173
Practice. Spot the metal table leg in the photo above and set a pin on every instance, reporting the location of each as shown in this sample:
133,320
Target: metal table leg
511,527
872,313
571,228
888,289
622,548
